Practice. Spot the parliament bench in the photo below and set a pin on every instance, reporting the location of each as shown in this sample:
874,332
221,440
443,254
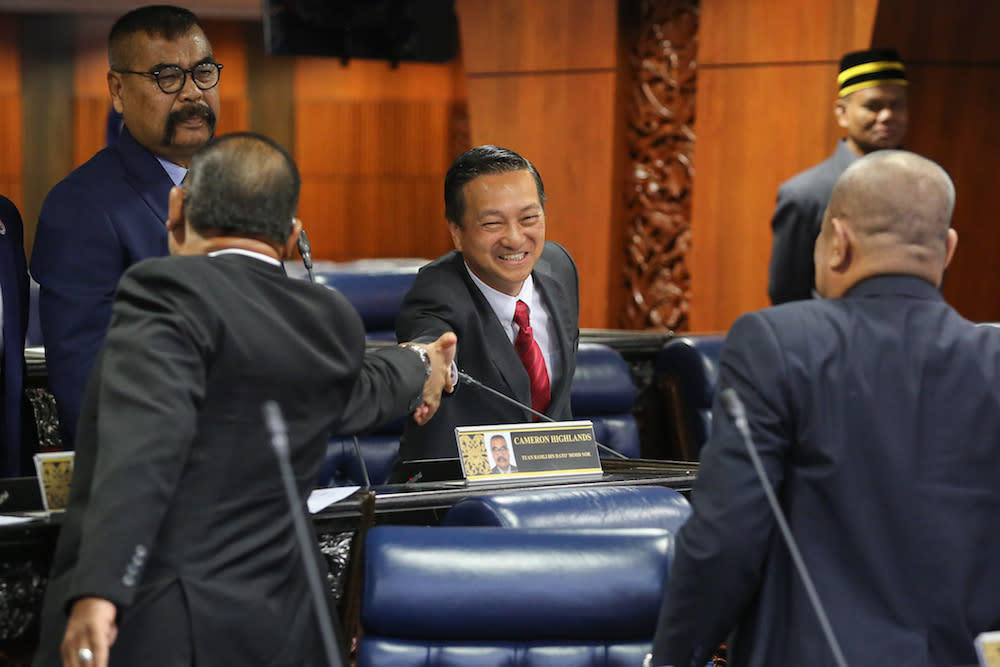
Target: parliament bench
487,597
375,287
686,370
602,391
581,507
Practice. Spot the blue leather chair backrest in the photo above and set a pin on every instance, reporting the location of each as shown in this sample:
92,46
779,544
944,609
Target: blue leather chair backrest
375,288
379,448
603,392
584,507
486,597
687,372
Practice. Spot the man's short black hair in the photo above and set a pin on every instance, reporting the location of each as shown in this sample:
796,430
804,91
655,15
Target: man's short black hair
242,184
164,21
475,162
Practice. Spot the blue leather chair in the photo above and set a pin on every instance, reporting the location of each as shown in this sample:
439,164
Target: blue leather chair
584,507
375,287
687,372
603,392
485,597
379,448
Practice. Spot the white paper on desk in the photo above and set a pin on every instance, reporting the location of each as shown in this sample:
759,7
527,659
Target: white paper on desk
322,498
13,520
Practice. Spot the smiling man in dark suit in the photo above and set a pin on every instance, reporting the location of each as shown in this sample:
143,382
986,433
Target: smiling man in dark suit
109,213
178,546
874,412
511,297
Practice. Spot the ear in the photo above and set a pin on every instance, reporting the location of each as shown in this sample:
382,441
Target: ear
115,88
292,244
176,228
841,245
840,111
456,235
950,245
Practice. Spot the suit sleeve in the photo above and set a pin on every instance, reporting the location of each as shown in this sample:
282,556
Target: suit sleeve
151,378
722,547
390,379
791,274
77,259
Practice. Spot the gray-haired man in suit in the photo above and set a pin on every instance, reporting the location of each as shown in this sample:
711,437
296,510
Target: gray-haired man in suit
178,547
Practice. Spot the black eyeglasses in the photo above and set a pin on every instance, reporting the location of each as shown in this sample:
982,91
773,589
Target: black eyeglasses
172,78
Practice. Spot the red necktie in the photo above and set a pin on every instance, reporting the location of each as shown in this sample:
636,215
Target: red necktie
531,357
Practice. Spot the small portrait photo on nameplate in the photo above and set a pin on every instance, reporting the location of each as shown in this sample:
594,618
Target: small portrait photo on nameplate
55,472
508,452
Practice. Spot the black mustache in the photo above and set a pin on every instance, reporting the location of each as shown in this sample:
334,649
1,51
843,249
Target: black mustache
193,111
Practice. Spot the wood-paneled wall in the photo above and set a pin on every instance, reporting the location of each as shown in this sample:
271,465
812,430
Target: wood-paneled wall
373,144
765,97
11,174
766,89
542,81
953,64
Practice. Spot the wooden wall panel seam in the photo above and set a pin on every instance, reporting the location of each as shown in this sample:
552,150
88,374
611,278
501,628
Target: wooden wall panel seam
542,72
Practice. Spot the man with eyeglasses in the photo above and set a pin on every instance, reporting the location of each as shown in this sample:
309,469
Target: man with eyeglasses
109,213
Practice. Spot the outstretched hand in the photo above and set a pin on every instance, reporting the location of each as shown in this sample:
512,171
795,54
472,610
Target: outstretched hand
441,353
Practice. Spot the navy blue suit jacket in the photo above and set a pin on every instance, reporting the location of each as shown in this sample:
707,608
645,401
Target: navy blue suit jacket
14,286
877,418
105,216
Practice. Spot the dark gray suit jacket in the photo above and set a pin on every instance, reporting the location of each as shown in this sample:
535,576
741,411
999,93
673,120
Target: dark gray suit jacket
177,513
797,218
444,298
877,417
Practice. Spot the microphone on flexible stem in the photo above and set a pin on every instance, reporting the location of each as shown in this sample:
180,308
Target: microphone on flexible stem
306,252
737,414
364,466
275,424
462,375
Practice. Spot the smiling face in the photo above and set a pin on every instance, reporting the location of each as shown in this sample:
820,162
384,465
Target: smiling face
503,229
172,126
874,118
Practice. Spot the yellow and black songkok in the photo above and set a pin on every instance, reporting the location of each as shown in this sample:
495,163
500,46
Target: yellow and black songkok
874,67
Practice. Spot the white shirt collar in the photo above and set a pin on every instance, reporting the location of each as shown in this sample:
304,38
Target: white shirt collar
249,253
174,171
503,305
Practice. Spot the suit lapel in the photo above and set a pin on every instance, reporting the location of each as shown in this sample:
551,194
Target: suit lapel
145,174
562,319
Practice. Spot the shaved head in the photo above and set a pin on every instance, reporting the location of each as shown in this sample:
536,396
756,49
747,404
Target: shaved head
896,198
890,212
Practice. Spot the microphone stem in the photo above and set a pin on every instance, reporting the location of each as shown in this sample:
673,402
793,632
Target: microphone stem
473,381
275,423
738,416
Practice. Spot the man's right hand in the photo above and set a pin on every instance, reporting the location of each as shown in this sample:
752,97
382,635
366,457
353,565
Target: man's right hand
91,628
441,353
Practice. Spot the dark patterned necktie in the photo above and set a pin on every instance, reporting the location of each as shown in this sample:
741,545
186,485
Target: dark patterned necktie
531,357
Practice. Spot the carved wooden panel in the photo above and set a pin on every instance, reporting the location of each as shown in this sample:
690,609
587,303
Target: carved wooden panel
660,141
